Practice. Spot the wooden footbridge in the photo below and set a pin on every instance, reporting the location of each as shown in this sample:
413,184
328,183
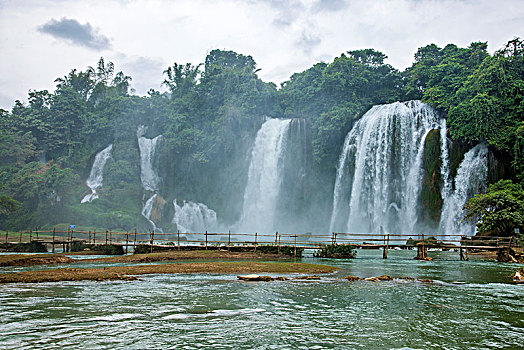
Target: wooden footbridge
225,240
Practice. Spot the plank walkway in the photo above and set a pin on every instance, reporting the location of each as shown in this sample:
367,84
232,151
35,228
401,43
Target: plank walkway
205,240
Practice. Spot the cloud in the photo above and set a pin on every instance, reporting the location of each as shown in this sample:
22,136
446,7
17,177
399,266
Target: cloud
287,11
147,72
308,41
329,5
77,34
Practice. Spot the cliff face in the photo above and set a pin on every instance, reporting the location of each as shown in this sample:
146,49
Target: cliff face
430,195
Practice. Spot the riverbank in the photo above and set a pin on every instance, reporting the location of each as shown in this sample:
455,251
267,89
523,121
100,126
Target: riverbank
63,258
128,273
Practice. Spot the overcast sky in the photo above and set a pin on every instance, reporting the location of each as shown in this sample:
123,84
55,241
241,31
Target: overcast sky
44,39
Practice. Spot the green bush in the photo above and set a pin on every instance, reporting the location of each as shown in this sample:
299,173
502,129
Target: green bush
337,251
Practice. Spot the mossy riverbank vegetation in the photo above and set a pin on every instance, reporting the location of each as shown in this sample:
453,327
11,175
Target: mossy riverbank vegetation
130,272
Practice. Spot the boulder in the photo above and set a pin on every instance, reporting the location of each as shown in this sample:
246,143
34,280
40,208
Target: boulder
518,276
255,278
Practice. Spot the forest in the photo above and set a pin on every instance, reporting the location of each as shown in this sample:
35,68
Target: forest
209,117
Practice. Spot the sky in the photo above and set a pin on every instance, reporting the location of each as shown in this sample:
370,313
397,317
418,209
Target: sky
41,40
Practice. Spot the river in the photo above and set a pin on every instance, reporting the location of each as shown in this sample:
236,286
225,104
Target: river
472,305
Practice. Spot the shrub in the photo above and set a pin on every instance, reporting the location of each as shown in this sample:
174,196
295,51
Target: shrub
337,251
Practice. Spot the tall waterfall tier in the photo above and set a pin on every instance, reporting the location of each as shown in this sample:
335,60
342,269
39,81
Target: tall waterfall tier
471,178
379,175
96,176
148,176
264,177
193,217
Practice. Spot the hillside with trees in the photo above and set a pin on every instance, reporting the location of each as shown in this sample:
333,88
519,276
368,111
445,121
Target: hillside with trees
209,117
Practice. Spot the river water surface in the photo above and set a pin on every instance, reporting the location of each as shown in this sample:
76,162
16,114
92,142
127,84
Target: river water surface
472,305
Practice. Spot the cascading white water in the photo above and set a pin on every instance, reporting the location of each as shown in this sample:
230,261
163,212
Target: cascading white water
471,178
444,157
193,217
148,176
379,175
264,177
147,209
94,181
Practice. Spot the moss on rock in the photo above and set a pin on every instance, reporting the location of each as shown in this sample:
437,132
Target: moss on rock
430,195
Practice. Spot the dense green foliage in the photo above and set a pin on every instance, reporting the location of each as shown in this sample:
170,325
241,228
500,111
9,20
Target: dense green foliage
337,251
209,118
499,211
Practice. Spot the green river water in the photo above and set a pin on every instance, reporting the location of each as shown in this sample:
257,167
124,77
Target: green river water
472,305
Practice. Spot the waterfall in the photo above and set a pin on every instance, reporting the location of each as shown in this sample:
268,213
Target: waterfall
193,217
379,174
147,209
470,179
444,157
264,177
148,176
94,181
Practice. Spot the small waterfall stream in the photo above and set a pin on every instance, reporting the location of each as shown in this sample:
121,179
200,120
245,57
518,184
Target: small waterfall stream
96,176
470,179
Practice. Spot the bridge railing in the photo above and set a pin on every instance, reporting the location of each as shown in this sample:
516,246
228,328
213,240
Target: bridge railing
306,240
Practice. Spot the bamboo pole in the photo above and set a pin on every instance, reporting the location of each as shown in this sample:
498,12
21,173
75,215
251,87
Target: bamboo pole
127,241
178,239
134,243
229,241
20,236
256,236
278,249
106,237
206,240
6,236
386,246
295,252
151,235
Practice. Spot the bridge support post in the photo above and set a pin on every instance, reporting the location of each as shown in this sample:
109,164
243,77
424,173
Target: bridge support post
295,252
386,247
178,239
256,237
422,252
127,241
229,241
